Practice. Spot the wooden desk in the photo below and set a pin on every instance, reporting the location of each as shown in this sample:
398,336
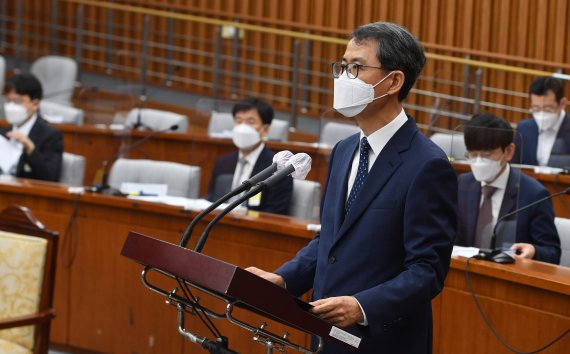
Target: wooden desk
102,306
528,303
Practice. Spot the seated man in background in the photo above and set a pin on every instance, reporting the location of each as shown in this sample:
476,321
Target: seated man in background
494,189
30,146
545,136
252,118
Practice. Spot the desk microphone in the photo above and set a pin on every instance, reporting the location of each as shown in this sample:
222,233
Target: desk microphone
298,167
100,183
494,254
280,160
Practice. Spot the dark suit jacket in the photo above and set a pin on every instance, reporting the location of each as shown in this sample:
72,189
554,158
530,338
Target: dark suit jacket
528,129
393,249
534,225
45,161
274,200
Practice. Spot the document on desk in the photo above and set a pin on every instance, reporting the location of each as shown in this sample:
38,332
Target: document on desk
10,152
466,252
186,203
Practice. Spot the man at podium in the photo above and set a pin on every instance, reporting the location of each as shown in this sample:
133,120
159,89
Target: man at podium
389,216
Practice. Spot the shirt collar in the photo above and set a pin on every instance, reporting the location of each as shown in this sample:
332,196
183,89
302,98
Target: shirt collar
27,127
380,138
251,158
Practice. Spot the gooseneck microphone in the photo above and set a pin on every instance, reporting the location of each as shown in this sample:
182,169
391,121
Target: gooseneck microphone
280,160
490,253
298,167
102,173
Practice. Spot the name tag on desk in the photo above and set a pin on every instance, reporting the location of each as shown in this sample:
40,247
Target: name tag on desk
255,200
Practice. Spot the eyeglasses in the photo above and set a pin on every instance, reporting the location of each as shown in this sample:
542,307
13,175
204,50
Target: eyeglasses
352,69
545,109
475,155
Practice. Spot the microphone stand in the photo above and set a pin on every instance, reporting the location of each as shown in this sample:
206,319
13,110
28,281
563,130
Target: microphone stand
269,182
489,254
245,186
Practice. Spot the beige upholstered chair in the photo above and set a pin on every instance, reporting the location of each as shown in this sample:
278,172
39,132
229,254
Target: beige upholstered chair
27,273
182,180
334,132
305,200
154,119
452,144
72,169
57,75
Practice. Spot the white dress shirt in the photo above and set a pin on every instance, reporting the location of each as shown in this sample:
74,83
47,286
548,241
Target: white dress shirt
497,198
377,141
245,173
546,139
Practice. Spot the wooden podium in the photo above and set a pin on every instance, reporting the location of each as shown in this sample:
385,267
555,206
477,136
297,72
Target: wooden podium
235,286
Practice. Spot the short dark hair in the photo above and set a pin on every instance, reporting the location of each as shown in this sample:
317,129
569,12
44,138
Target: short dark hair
397,49
263,108
541,85
486,131
26,85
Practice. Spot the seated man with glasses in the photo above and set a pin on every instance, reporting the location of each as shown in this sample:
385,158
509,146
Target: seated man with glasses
494,188
545,136
30,147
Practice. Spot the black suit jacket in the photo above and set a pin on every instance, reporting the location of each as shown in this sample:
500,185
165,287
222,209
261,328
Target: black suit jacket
45,161
274,200
534,225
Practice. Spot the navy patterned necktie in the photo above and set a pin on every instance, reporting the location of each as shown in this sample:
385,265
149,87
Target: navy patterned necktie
360,175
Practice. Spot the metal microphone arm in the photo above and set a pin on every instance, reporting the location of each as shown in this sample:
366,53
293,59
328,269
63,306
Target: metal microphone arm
202,240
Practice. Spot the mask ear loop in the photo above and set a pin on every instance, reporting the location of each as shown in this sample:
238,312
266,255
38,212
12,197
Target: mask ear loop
379,82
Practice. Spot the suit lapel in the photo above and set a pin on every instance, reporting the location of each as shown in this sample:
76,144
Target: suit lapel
511,193
345,162
472,201
387,162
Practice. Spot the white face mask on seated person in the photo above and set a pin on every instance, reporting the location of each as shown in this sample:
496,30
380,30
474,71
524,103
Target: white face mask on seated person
546,120
245,136
16,114
485,169
351,96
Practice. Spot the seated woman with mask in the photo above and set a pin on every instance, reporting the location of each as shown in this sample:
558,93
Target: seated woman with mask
252,118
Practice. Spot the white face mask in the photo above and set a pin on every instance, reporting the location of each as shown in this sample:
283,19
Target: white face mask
546,120
485,170
245,136
351,96
16,114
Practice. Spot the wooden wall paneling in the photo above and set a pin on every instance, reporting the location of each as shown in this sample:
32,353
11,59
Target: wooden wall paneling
520,43
540,29
287,10
560,30
502,12
255,71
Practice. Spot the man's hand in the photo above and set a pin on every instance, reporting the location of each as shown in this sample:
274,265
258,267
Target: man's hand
524,250
341,311
272,277
29,145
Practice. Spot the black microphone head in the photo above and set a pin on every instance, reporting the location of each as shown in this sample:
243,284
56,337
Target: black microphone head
173,127
567,190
